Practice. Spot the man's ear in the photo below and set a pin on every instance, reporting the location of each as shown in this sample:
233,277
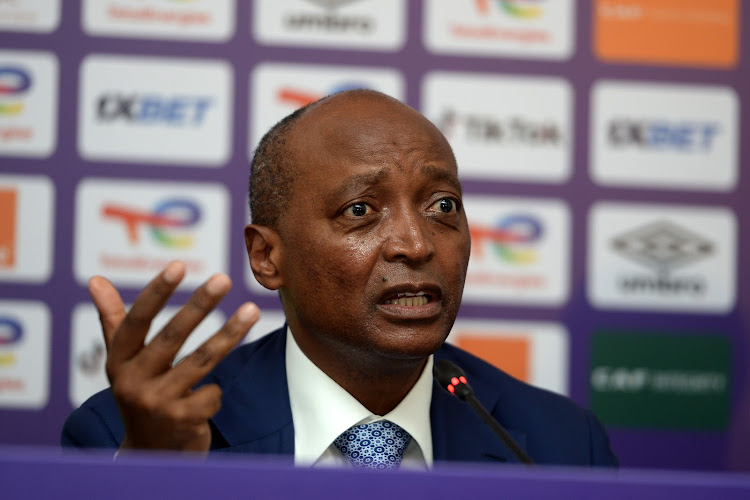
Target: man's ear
264,253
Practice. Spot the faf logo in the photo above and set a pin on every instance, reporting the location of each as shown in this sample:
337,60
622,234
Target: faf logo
663,246
10,333
521,9
509,239
14,83
166,221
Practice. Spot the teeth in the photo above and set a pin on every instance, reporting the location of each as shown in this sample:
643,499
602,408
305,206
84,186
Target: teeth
409,299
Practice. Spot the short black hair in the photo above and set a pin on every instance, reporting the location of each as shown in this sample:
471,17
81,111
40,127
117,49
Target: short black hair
271,174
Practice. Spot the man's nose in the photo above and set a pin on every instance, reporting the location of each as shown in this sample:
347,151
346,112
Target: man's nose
409,237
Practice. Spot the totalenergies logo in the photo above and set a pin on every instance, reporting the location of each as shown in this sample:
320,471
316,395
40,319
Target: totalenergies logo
14,81
10,333
522,9
299,97
166,222
509,239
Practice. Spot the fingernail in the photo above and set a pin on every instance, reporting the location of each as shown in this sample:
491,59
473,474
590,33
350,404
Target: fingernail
173,272
247,312
217,284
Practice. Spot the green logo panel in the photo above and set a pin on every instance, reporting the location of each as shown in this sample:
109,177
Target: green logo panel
657,381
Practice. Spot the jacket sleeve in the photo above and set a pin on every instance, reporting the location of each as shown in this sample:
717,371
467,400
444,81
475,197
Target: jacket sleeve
84,428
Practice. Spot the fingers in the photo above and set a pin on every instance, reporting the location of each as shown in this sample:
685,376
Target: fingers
197,365
109,304
158,355
128,339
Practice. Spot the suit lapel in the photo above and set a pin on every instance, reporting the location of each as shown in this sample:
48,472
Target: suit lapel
459,435
255,416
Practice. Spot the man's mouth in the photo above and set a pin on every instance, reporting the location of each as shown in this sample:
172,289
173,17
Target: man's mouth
409,299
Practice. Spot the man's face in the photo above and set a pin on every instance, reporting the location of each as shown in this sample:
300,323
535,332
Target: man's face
375,242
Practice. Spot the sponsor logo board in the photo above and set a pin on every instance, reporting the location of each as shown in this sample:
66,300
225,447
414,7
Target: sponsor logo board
505,127
278,89
35,16
350,24
662,257
129,230
534,352
664,136
201,20
24,354
88,354
534,29
28,103
520,251
695,33
26,228
178,111
658,381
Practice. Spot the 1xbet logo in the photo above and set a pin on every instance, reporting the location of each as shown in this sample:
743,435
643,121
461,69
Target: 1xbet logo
153,109
165,222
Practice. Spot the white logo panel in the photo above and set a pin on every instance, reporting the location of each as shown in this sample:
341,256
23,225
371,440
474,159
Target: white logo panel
128,230
88,354
35,16
202,20
279,89
662,257
350,24
28,103
26,228
535,352
505,127
24,354
510,28
520,251
176,111
664,136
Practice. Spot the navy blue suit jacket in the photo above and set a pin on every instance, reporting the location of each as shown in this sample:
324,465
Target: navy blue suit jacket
255,416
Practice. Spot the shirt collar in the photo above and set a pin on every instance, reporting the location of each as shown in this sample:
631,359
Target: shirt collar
313,395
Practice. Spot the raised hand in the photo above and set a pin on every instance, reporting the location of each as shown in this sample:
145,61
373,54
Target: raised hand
159,408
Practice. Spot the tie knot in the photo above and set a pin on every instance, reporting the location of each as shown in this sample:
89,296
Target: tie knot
377,445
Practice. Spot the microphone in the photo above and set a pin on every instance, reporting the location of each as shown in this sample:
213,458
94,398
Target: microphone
451,378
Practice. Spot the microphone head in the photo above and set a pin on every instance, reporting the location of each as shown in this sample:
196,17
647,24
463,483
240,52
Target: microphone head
452,378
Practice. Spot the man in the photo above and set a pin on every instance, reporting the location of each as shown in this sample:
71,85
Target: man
358,222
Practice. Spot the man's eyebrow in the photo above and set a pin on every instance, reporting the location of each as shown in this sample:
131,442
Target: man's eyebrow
359,182
441,175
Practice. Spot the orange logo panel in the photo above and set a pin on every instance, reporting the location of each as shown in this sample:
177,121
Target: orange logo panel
680,32
7,228
510,354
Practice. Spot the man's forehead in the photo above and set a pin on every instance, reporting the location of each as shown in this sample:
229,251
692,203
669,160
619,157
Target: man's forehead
365,123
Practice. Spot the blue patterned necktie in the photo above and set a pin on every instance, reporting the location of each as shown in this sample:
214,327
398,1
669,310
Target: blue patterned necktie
377,445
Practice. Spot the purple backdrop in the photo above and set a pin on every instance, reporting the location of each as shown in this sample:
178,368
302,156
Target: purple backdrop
665,449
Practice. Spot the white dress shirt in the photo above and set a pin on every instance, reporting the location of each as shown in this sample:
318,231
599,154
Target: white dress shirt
322,410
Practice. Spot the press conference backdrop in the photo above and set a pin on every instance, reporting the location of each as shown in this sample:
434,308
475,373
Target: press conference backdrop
599,145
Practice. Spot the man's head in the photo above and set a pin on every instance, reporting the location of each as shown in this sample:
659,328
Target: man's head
369,245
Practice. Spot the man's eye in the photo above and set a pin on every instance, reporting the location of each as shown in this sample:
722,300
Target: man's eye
446,205
358,210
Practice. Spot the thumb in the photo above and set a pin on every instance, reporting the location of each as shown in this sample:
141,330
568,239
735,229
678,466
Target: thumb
109,304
